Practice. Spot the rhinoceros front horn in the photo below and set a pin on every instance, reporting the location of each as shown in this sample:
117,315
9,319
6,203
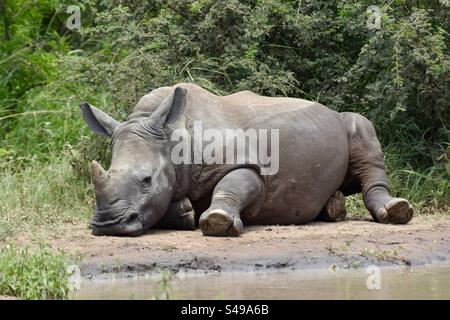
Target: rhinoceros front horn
99,175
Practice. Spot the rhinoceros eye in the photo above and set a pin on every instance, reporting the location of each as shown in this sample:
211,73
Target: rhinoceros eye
147,180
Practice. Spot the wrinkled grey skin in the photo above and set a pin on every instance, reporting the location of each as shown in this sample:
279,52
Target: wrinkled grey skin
324,155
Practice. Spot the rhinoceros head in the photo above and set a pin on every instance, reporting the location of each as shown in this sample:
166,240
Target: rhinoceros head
138,187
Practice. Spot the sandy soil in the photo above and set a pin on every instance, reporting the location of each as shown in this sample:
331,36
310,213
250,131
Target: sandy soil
349,244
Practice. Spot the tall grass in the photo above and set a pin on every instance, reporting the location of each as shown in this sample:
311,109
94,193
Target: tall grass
418,168
426,188
42,194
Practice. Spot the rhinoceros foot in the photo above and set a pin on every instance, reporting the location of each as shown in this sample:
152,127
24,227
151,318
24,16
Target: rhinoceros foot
220,223
179,216
396,211
334,210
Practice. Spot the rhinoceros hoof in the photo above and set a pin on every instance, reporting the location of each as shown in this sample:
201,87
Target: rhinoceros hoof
396,211
335,210
219,223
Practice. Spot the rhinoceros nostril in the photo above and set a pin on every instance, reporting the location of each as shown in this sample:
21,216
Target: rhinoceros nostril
132,218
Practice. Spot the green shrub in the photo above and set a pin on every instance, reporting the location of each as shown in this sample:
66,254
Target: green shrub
34,274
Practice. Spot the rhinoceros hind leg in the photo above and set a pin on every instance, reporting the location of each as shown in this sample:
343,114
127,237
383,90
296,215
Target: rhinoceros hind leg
237,191
179,216
366,166
387,209
334,210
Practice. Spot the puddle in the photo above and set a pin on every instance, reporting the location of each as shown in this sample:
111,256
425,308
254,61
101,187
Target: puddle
426,282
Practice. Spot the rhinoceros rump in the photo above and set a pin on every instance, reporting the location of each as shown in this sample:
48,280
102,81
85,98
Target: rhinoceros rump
322,156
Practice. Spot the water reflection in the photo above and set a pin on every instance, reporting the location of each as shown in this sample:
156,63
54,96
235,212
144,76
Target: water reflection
429,282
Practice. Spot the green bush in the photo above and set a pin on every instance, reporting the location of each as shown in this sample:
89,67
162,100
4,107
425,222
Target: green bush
34,274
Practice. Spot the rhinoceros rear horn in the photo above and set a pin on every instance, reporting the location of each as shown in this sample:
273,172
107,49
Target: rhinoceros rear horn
99,175
171,108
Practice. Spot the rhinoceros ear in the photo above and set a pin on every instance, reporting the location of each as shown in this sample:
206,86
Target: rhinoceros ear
171,109
98,121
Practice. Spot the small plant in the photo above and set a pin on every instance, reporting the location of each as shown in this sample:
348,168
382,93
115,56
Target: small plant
117,265
355,207
169,248
391,256
163,284
34,274
344,254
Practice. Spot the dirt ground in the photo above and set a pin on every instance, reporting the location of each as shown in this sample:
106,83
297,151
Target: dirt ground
349,244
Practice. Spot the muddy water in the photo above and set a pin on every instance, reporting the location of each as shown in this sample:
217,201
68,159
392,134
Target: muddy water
429,282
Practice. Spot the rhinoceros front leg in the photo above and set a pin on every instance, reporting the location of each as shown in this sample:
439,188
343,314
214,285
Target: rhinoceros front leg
366,167
179,216
235,192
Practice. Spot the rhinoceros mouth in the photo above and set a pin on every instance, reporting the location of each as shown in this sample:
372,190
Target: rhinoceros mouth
106,223
128,225
112,215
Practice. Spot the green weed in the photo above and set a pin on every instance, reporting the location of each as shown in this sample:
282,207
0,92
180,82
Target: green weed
34,274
